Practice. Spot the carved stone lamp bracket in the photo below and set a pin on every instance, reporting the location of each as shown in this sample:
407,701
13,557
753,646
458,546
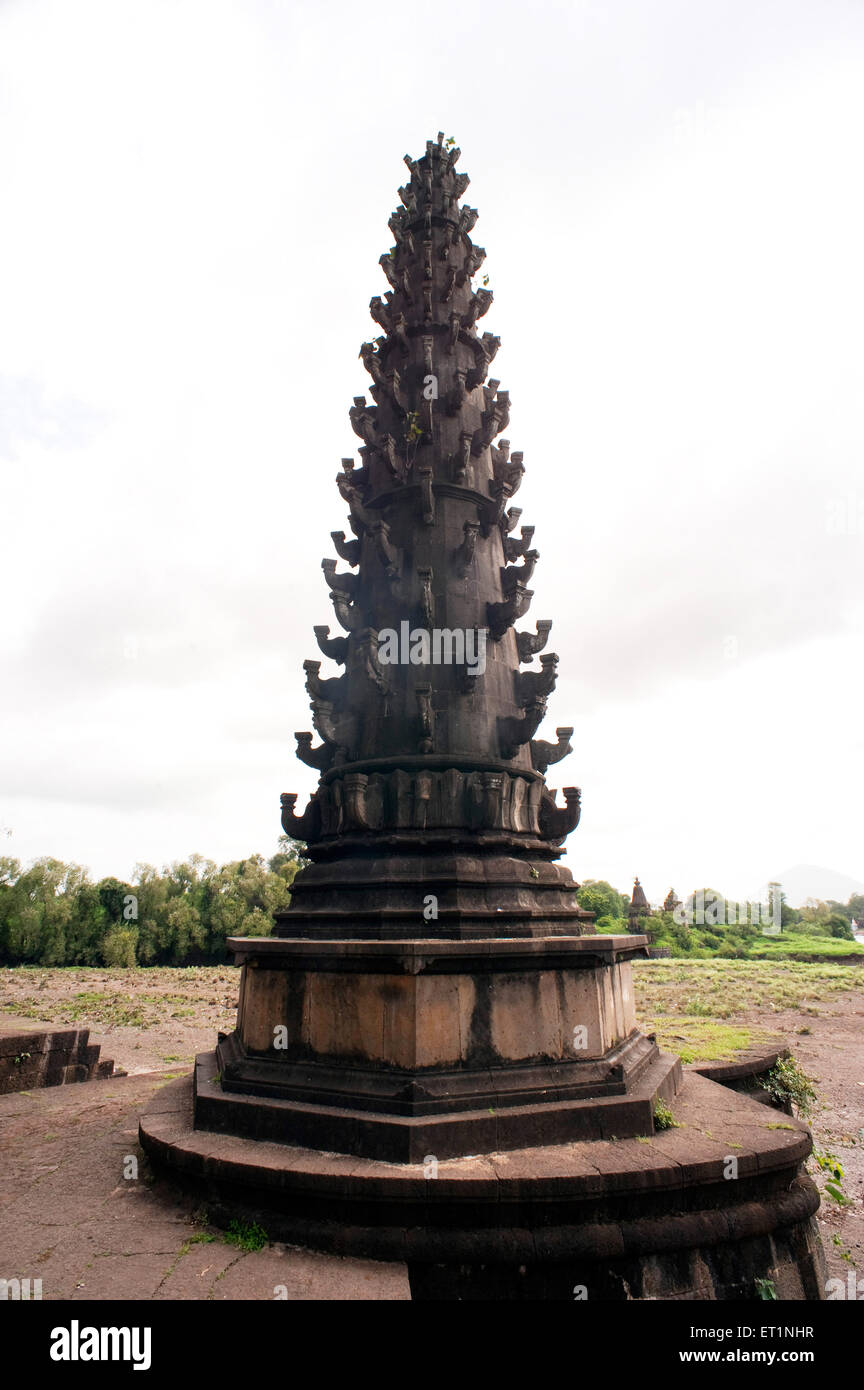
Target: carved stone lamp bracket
334,647
427,496
543,754
426,743
514,732
426,601
501,616
465,553
528,644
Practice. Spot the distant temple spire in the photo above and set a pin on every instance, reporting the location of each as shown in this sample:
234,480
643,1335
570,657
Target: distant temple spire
639,904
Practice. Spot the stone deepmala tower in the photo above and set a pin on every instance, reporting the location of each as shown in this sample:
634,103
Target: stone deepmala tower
432,777
434,990
432,821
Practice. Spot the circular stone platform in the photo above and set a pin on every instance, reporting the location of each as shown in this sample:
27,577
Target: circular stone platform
700,1211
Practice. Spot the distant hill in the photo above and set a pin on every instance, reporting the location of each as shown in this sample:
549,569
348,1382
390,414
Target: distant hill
815,881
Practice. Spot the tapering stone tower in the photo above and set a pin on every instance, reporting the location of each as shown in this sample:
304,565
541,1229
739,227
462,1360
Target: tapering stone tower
431,775
434,1004
437,985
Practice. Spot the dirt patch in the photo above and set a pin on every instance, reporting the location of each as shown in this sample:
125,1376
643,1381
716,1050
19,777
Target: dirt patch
145,1020
828,1043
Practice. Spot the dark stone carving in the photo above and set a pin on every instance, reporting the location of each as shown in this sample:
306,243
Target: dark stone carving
505,614
519,574
427,718
334,647
356,784
427,497
513,548
463,458
389,452
387,264
348,614
465,553
491,344
501,452
356,477
479,305
385,550
369,661
456,398
528,644
400,336
451,799
372,362
496,417
544,754
346,550
534,685
556,822
381,313
361,518
493,798
426,601
473,262
303,827
363,420
320,757
476,375
342,583
332,690
510,473
322,718
460,183
513,732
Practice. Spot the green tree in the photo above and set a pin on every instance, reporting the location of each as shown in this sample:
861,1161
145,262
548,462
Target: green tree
855,907
118,946
837,925
599,897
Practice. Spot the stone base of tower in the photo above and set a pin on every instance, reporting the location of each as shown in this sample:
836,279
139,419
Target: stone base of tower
460,886
397,1049
660,1216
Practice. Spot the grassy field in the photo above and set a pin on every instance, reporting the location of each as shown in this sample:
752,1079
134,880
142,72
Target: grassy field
708,1010
794,947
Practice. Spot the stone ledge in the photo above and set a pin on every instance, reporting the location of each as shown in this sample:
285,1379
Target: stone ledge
409,1138
673,1158
748,1067
428,955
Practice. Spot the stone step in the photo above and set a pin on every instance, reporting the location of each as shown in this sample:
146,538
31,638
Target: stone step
49,1057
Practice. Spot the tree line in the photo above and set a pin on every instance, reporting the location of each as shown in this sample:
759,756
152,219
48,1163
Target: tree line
733,939
52,913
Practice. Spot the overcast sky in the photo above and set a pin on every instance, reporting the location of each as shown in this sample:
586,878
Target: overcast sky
194,199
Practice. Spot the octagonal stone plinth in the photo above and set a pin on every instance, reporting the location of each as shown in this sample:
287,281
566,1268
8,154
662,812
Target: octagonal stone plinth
394,1049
